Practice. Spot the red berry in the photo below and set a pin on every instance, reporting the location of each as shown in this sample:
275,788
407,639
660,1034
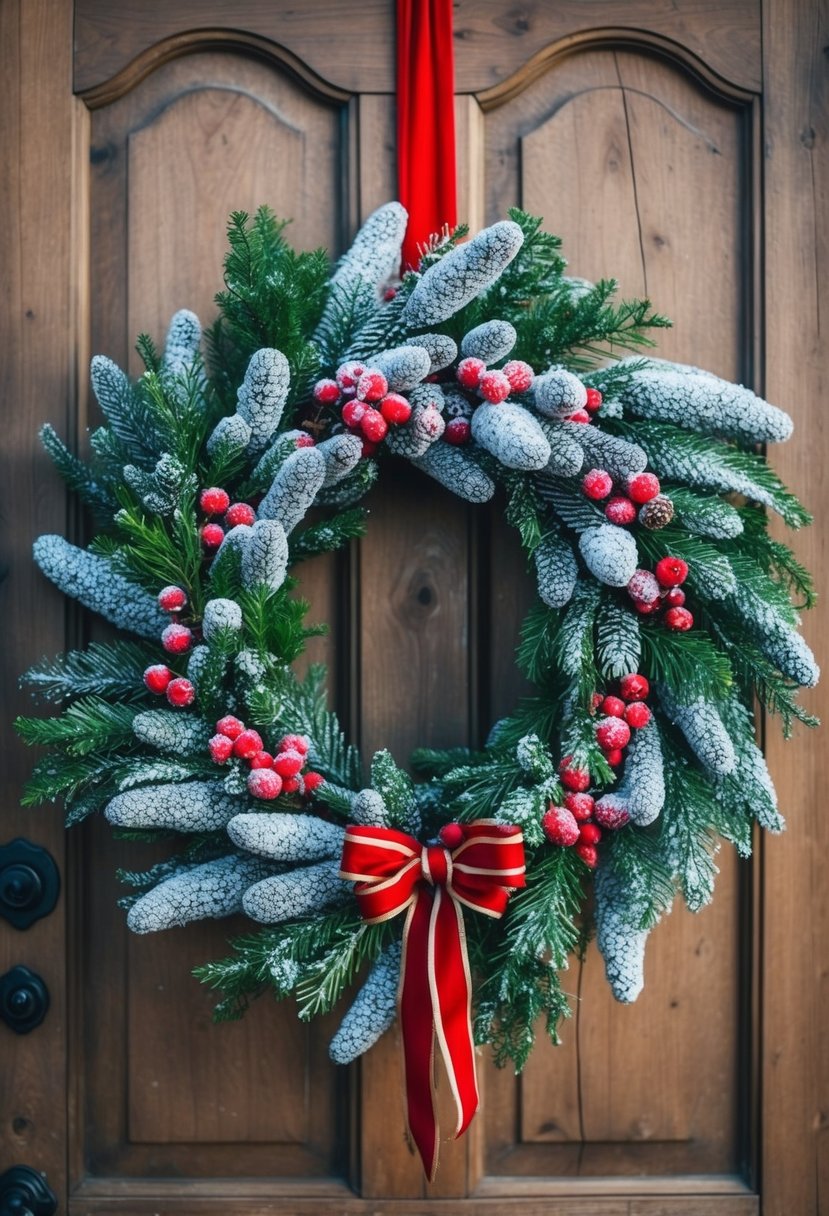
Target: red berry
674,597
612,733
560,826
214,501
611,815
494,387
679,619
614,756
212,535
637,715
577,779
634,687
353,412
643,587
348,374
671,571
580,805
288,764
304,441
597,484
594,400
247,744
221,749
643,487
172,599
157,677
579,416
261,760
240,513
374,426
176,639
230,726
180,692
395,409
457,431
588,854
313,781
613,707
264,783
470,371
620,511
372,385
648,609
368,448
451,835
519,374
327,392
290,785
589,833
596,700
389,293
295,743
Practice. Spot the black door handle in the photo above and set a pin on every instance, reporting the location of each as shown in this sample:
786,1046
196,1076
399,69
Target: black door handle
24,1000
24,1192
29,883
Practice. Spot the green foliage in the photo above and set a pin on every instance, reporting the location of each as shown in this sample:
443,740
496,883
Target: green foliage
394,787
87,725
688,663
106,669
155,554
523,510
93,491
618,642
328,535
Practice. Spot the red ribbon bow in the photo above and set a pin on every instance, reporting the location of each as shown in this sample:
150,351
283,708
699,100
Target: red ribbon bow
393,872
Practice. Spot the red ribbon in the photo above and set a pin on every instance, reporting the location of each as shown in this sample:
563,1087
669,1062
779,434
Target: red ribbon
394,872
425,120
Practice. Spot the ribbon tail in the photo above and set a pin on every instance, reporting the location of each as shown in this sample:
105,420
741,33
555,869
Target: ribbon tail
417,1030
451,987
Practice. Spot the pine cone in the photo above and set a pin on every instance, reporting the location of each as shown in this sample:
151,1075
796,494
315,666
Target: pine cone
657,513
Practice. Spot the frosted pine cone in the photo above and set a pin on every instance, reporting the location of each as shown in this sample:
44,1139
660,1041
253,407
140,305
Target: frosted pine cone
657,513
212,890
463,274
286,837
374,254
706,471
182,344
700,401
192,806
91,580
301,892
373,1010
618,457
415,438
643,787
457,471
403,367
231,434
489,342
558,392
566,453
619,936
219,615
609,554
294,488
341,453
440,348
265,555
369,809
704,730
557,571
512,435
175,733
262,395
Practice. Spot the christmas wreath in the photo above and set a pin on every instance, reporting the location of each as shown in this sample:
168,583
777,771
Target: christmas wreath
664,608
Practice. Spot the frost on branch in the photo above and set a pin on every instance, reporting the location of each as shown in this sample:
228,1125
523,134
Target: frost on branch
609,554
512,435
302,892
212,890
219,615
262,395
286,837
460,276
90,579
457,471
441,349
708,517
168,731
616,456
489,342
704,731
558,392
182,344
700,401
556,570
373,1010
341,454
403,367
265,555
192,806
294,488
619,935
783,645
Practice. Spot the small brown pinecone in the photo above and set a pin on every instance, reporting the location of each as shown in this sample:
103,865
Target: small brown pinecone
657,513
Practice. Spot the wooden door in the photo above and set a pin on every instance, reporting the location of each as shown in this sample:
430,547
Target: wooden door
675,146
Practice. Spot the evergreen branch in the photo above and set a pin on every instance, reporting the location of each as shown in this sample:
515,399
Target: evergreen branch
106,669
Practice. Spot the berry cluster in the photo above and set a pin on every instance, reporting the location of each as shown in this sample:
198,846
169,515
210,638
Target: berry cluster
269,775
215,502
639,497
176,639
660,592
580,821
368,407
493,385
179,691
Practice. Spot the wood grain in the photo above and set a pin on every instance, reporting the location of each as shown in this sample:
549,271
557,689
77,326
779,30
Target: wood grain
795,942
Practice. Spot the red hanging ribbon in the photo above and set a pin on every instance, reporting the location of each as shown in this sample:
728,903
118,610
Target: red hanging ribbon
394,872
425,120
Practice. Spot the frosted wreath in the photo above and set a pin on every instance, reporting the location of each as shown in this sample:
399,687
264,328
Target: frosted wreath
664,608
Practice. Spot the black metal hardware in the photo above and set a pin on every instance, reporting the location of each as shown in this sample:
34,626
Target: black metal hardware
29,883
24,1192
24,1000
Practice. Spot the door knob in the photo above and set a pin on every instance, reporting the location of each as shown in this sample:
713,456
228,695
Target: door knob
29,883
24,1000
24,1192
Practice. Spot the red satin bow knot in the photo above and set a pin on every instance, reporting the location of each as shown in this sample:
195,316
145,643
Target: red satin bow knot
394,872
